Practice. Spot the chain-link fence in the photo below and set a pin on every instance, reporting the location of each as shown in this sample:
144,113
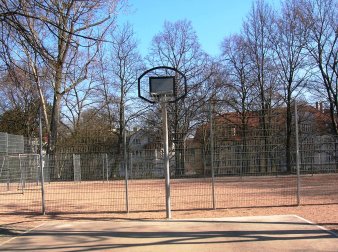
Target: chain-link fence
233,159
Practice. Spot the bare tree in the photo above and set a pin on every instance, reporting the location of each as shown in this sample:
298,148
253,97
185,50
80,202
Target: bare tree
17,58
238,86
19,103
126,65
321,18
76,102
105,93
60,31
256,31
120,66
288,39
238,78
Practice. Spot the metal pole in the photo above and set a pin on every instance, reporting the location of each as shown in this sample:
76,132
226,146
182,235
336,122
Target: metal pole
212,156
166,157
131,164
41,166
7,160
8,174
106,165
297,155
103,165
22,173
36,161
125,158
126,184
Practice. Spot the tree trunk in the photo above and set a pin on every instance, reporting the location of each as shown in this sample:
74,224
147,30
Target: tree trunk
55,118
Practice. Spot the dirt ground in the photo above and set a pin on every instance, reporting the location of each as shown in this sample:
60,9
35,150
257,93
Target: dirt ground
191,198
186,194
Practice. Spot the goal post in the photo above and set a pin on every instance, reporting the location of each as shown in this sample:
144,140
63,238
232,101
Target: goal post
22,170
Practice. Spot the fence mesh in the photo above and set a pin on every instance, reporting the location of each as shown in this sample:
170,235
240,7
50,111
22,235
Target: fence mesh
20,189
231,160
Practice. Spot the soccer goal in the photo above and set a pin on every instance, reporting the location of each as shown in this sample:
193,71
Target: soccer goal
19,172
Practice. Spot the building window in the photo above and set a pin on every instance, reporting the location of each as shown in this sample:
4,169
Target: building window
305,127
137,141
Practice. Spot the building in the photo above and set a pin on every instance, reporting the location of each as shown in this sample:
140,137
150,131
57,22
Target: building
255,143
145,155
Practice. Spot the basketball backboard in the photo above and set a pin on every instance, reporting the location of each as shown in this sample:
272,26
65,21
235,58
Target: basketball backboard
164,85
160,82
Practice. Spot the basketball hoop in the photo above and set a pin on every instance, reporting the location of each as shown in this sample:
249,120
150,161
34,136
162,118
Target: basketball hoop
167,85
163,81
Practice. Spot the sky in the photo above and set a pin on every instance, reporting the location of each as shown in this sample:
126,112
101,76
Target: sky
212,20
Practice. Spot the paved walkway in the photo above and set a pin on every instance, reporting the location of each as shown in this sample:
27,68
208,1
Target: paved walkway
264,233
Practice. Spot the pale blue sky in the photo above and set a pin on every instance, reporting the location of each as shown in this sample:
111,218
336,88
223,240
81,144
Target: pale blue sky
211,19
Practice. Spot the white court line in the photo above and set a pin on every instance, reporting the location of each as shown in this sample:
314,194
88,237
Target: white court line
263,216
316,225
233,218
27,231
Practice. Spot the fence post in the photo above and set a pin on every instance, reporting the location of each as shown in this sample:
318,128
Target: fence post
41,166
103,167
211,108
77,167
22,175
131,165
126,185
106,165
297,154
8,174
125,158
7,160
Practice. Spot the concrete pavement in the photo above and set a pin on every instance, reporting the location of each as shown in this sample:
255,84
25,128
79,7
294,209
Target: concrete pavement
260,233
